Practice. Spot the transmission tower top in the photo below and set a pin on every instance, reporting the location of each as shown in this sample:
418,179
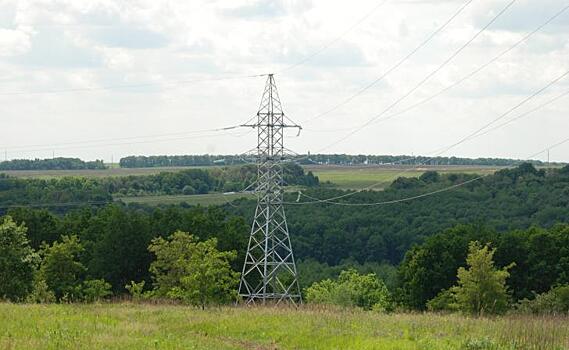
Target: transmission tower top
271,105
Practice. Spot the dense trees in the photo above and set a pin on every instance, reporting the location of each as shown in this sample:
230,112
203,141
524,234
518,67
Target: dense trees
51,164
510,200
17,191
17,261
114,239
428,237
332,159
540,257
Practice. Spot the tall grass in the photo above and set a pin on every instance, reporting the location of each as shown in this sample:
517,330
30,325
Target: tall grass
144,326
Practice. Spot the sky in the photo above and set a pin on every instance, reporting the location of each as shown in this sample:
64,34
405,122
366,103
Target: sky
104,79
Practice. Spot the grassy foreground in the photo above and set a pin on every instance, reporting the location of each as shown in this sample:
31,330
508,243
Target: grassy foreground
135,326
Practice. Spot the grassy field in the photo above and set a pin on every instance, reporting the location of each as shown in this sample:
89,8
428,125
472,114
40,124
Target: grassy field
357,177
134,326
48,174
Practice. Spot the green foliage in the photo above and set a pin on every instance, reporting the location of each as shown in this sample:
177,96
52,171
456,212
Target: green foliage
555,301
191,271
17,261
311,271
174,182
51,164
351,289
541,258
95,290
136,290
444,301
61,270
40,293
481,288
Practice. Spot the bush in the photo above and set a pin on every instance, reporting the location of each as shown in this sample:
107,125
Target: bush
555,301
136,290
95,290
41,293
191,271
352,289
444,301
61,269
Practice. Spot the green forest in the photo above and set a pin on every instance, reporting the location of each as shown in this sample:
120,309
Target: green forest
58,163
328,159
19,191
409,251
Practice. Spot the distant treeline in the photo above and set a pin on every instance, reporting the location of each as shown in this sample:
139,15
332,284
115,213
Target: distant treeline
51,164
18,191
324,159
173,161
347,159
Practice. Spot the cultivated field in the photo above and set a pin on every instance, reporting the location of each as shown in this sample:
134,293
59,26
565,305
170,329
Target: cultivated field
133,326
357,177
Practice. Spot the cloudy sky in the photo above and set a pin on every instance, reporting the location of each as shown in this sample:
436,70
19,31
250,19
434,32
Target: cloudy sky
100,78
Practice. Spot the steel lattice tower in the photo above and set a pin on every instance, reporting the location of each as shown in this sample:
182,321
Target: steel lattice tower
269,272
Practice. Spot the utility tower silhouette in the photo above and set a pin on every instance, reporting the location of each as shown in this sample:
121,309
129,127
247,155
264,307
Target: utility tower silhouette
269,272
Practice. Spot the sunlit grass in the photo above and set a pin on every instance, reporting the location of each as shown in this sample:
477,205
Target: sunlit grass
136,326
358,177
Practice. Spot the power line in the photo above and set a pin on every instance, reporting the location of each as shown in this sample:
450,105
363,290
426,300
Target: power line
424,80
335,40
474,134
127,86
477,70
122,138
395,66
236,134
423,195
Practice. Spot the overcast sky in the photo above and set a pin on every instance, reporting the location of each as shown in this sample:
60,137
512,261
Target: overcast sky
59,58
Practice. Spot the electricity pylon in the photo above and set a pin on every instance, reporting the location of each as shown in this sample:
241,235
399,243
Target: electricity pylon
269,272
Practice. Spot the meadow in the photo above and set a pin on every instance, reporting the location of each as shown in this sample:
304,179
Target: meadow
342,177
138,326
358,177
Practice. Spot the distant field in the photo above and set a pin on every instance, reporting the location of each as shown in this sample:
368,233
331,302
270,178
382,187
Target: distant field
132,326
194,199
357,177
46,174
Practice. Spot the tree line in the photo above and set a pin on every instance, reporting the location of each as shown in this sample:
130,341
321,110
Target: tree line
415,248
58,163
327,159
450,271
20,191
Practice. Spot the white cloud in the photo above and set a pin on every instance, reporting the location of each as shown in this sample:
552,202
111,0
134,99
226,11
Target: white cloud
50,45
13,42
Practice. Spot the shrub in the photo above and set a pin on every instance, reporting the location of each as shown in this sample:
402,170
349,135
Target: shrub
95,290
352,289
555,301
136,290
444,301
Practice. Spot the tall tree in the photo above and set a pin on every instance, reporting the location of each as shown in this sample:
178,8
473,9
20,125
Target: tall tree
17,261
192,271
61,269
481,288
